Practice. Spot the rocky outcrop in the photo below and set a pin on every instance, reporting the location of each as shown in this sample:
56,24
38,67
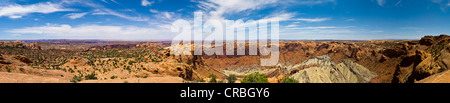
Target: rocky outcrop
3,61
394,52
427,40
23,59
328,72
34,45
444,59
424,62
9,44
77,61
438,78
19,44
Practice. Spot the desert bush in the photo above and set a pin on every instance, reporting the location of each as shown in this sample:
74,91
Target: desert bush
90,76
75,79
255,78
289,80
213,78
231,79
201,80
113,77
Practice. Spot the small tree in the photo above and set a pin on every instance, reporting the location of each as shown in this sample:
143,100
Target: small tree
231,79
213,78
289,80
255,78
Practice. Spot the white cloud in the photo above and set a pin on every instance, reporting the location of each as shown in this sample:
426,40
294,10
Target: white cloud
312,19
18,11
105,1
166,15
115,1
381,2
315,28
398,3
217,8
350,20
76,15
15,17
146,3
436,1
99,9
153,11
95,32
443,5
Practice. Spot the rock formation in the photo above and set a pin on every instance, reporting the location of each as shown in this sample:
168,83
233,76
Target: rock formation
19,44
328,72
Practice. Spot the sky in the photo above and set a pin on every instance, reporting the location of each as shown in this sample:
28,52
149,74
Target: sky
152,19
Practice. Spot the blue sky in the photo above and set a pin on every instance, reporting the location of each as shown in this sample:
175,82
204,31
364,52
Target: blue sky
151,19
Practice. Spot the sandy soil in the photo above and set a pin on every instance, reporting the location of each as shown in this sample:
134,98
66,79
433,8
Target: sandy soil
24,78
139,80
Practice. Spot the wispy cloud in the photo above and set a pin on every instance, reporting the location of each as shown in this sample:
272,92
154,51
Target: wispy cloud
350,20
153,11
443,4
105,11
76,15
217,8
312,19
381,2
102,10
18,11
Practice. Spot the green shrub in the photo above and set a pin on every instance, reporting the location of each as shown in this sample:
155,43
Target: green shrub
90,76
220,81
289,80
75,79
213,78
8,70
441,70
113,77
201,80
231,79
255,78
